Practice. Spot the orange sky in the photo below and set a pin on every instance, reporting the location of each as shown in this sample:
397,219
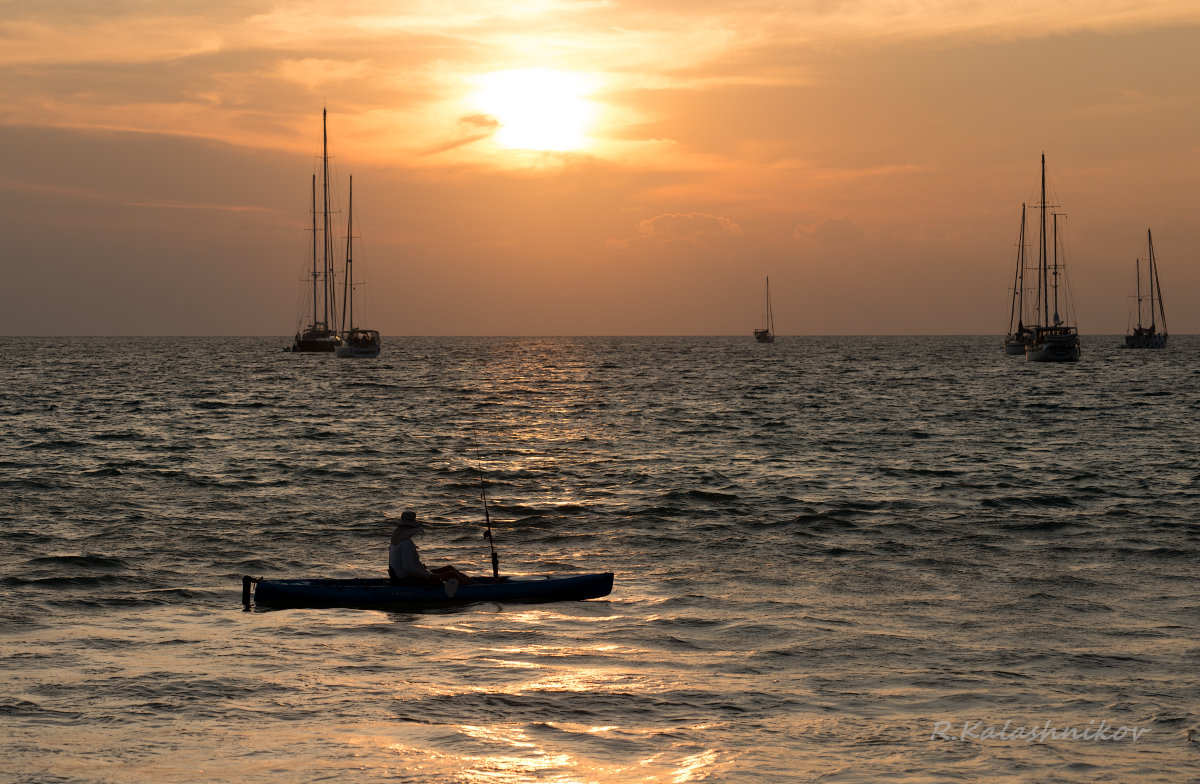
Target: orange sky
575,167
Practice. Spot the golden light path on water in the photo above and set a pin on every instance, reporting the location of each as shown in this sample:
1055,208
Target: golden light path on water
527,751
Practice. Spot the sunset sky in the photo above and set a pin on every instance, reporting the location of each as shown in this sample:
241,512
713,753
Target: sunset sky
592,168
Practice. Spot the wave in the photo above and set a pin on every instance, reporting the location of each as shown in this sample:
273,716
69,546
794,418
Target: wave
79,562
211,405
701,495
1031,501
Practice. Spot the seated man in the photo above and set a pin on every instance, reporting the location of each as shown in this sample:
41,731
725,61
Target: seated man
404,563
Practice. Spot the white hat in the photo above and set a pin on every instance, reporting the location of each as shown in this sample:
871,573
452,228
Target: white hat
406,526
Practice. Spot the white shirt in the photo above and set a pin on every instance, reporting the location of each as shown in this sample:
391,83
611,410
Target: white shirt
404,560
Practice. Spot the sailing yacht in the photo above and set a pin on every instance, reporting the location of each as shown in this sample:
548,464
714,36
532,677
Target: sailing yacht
1055,340
356,341
1018,333
319,335
767,333
1151,336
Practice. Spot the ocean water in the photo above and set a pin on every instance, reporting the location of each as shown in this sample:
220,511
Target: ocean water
907,559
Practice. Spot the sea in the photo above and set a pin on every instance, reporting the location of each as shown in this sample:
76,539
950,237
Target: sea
837,559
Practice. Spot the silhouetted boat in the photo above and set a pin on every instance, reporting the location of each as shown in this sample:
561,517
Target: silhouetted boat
355,341
1018,333
381,593
359,343
1151,336
767,333
1055,340
319,335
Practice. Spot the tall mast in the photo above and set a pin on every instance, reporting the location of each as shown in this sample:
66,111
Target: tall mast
1150,243
314,233
1057,320
1138,267
328,268
1018,307
1043,294
770,313
1155,284
348,283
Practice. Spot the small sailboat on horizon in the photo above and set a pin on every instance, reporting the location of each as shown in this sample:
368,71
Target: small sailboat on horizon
355,341
767,333
1151,336
1055,339
1018,334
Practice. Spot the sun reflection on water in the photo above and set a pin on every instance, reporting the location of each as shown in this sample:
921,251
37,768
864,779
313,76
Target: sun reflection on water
530,760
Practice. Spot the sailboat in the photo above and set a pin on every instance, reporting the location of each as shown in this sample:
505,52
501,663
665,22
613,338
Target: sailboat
1055,340
356,341
319,335
1151,336
767,333
1018,333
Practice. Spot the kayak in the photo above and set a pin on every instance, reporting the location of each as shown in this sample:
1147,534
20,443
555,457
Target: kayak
380,592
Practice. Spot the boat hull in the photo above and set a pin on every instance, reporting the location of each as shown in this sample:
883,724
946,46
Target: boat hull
1061,345
1015,343
315,341
359,343
380,593
313,347
763,336
1155,340
358,352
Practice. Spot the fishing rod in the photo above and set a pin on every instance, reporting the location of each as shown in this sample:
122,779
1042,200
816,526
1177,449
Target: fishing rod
487,517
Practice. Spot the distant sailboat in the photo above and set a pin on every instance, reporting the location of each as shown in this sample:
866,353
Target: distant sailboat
767,333
1151,336
1055,340
356,341
319,335
1018,333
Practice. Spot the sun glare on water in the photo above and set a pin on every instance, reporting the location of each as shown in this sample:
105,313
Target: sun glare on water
536,109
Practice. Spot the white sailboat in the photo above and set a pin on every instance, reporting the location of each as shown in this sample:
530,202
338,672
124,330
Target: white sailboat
1151,336
355,341
1055,340
319,334
767,333
1018,334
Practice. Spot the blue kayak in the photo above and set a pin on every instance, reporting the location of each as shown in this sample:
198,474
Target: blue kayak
380,592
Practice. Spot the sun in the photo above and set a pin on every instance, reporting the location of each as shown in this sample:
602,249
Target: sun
536,108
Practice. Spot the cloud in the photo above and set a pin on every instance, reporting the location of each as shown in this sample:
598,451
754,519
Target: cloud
696,229
832,231
690,227
478,128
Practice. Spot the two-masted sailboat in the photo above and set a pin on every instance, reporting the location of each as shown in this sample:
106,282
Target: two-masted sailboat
767,333
1018,333
1054,340
319,335
356,341
1155,335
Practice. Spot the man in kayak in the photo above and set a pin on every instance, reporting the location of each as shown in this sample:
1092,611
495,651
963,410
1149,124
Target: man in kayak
404,562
